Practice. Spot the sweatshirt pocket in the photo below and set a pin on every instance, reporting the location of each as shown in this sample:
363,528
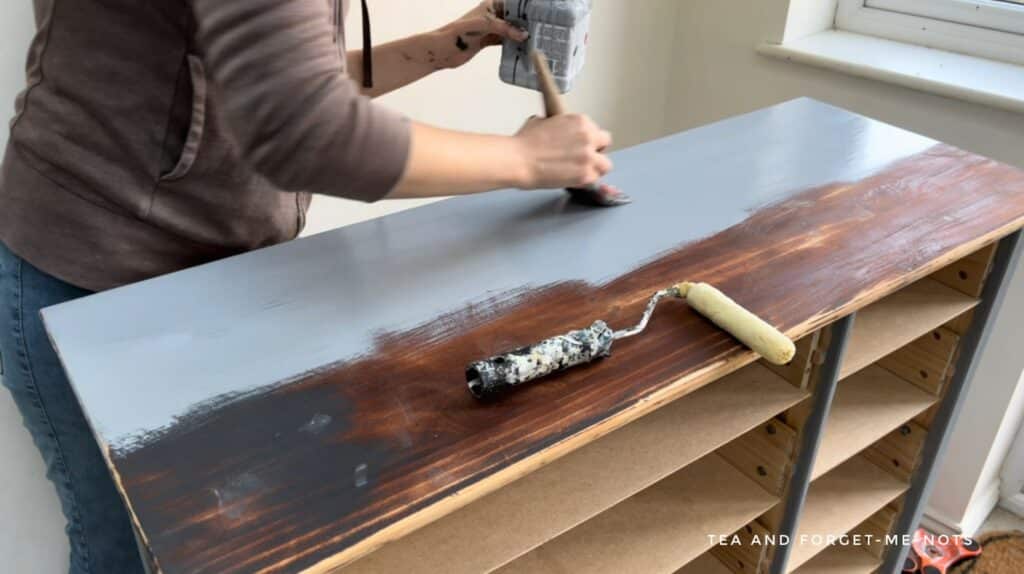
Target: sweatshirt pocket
197,123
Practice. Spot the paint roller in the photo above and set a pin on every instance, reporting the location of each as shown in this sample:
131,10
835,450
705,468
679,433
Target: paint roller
492,377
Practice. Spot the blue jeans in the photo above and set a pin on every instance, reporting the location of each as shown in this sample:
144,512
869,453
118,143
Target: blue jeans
98,526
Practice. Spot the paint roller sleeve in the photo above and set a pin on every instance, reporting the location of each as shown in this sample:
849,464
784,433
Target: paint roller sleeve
747,327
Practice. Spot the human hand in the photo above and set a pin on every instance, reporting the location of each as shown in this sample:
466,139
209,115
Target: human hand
461,40
563,151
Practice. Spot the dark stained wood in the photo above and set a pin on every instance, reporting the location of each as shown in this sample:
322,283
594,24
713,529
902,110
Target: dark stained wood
314,473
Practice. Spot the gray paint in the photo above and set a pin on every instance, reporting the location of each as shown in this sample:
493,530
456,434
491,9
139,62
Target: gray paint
810,440
971,346
141,355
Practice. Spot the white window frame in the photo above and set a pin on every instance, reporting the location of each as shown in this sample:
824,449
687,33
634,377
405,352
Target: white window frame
983,28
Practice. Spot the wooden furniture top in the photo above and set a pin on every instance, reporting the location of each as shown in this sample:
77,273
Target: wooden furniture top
295,407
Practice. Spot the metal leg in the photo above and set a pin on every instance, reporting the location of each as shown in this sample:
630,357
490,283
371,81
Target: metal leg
938,435
810,438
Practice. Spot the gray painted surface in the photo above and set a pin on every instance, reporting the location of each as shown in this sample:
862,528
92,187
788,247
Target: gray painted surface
941,428
141,355
810,441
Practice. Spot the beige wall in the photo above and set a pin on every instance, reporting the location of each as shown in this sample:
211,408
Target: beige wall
718,74
624,86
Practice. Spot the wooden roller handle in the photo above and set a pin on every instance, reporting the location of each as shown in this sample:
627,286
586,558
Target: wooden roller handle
747,327
553,103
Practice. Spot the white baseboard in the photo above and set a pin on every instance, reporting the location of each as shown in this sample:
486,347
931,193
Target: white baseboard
1014,504
934,522
978,510
974,517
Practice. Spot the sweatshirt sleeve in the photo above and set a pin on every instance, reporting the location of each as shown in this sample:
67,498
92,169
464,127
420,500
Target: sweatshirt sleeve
299,120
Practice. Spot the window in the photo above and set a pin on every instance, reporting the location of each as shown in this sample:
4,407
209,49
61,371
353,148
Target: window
987,28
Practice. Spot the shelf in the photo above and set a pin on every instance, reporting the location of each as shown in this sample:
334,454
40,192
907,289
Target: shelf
585,483
705,564
899,319
839,501
841,560
868,405
657,530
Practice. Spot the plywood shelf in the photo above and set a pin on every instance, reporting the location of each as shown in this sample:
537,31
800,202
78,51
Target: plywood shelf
899,319
658,530
705,564
868,405
839,501
841,560
578,487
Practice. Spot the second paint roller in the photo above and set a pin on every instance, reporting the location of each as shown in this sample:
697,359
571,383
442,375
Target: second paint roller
491,377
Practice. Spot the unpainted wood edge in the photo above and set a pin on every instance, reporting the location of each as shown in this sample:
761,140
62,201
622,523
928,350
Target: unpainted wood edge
132,515
677,389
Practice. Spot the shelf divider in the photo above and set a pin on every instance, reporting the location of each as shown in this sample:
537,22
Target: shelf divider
899,319
839,501
658,530
868,405
581,485
705,564
841,560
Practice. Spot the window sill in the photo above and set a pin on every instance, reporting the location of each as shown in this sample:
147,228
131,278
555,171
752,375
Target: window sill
968,78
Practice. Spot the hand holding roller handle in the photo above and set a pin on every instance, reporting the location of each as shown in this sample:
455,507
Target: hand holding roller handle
492,377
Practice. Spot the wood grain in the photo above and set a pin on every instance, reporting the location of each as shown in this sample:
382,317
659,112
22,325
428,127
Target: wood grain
804,214
581,485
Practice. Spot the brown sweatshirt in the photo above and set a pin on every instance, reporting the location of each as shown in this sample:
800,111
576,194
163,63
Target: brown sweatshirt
157,135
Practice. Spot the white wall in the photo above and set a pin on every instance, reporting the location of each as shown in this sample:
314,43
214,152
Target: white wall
718,74
31,535
625,88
